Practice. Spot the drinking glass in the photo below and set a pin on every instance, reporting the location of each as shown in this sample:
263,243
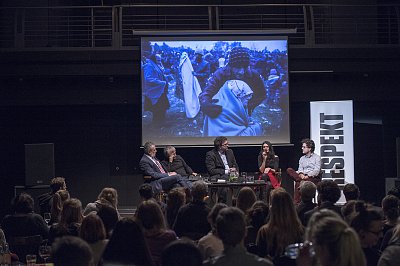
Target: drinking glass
293,251
44,252
47,217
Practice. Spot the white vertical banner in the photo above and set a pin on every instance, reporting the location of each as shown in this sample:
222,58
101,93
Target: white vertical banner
332,131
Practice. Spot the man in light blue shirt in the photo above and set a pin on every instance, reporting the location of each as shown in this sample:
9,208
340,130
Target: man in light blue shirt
309,167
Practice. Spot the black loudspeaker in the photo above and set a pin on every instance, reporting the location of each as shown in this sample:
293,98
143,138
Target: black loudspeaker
39,163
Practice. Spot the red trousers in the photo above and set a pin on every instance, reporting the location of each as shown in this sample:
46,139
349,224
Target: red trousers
296,178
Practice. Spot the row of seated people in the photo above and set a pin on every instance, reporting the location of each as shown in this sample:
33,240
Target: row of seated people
341,236
220,162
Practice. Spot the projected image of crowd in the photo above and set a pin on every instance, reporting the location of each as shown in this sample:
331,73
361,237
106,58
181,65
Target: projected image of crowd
214,88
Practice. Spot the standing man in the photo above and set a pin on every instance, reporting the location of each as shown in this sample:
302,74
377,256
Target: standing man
237,69
201,68
309,167
160,178
220,162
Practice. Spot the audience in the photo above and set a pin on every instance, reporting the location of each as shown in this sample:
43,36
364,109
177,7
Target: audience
390,207
127,245
367,222
70,220
176,199
24,222
256,217
390,256
46,200
282,229
210,245
328,194
155,231
110,217
231,229
107,197
93,232
71,250
351,192
307,194
57,205
245,199
191,220
334,243
181,253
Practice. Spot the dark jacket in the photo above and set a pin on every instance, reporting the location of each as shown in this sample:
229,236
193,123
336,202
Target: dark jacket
215,165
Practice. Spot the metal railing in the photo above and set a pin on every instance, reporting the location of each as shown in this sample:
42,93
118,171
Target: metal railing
111,27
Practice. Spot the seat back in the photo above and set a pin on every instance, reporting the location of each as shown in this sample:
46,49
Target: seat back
24,245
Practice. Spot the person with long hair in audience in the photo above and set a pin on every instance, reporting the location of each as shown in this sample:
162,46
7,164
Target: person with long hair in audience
93,232
282,229
70,220
268,164
367,222
157,235
391,212
334,243
245,199
210,245
108,196
127,245
58,201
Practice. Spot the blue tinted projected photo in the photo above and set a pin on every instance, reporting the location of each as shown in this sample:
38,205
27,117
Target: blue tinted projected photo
201,89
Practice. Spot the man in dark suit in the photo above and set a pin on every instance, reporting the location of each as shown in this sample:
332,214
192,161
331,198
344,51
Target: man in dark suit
220,162
160,178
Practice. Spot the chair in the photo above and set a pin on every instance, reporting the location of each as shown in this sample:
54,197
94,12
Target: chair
160,196
24,245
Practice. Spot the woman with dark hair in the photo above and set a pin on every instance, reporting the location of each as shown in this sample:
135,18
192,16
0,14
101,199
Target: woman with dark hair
93,232
24,222
127,245
367,222
176,199
268,164
156,234
282,229
245,199
70,220
255,218
391,212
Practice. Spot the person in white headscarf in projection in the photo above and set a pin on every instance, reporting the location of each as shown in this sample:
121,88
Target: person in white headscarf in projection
191,87
234,119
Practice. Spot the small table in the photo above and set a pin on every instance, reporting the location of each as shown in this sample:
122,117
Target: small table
232,185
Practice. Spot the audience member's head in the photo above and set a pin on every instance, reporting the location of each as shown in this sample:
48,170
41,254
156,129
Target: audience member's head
109,195
146,191
176,199
58,202
336,243
307,191
245,199
71,250
150,216
181,252
257,214
109,216
23,203
57,183
71,212
92,229
395,191
390,207
351,192
127,245
199,190
213,214
329,191
231,226
348,211
367,222
315,217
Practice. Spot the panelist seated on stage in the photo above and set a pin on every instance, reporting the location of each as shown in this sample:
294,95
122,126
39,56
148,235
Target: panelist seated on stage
175,163
268,164
220,161
309,167
160,179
